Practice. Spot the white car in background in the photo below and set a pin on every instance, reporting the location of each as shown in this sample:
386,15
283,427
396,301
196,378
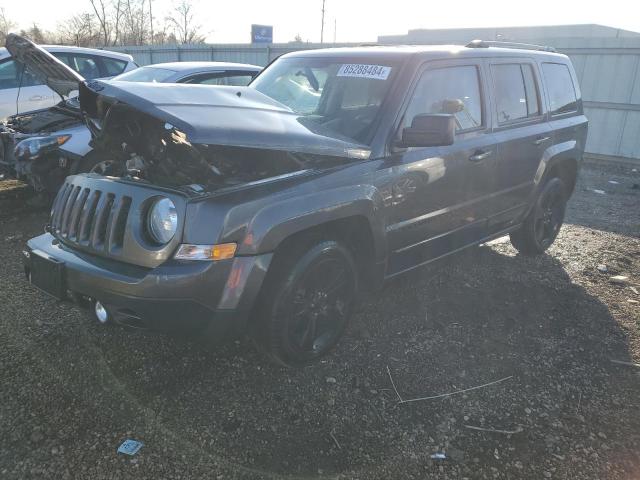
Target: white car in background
42,147
23,90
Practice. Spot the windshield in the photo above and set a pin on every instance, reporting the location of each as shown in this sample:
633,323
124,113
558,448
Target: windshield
146,74
342,96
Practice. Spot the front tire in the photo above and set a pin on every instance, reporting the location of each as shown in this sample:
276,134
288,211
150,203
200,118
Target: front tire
305,308
542,225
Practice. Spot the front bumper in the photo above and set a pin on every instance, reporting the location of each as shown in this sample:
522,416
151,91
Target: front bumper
211,299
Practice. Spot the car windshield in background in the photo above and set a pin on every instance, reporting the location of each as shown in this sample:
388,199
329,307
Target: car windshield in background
341,96
146,74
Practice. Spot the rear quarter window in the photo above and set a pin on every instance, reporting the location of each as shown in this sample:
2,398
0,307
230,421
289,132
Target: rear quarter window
562,92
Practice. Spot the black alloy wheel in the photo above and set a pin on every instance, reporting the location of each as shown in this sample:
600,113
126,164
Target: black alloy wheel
542,225
307,308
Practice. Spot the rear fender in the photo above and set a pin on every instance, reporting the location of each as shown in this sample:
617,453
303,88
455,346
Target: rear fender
554,155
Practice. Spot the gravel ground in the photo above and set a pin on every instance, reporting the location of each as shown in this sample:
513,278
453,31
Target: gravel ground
72,391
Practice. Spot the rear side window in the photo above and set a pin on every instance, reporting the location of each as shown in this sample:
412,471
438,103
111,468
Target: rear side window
515,91
562,93
112,67
86,66
452,90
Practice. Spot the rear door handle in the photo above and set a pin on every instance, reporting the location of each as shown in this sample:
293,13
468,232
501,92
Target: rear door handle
540,140
36,98
479,155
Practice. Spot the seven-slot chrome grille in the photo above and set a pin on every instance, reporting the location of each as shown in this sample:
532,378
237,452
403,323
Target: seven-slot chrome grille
90,217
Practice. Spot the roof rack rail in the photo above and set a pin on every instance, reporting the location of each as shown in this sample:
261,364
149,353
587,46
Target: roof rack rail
523,46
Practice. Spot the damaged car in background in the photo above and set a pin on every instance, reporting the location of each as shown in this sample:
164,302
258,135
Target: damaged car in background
266,209
44,146
30,141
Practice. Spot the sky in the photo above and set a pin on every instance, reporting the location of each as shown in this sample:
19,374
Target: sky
355,20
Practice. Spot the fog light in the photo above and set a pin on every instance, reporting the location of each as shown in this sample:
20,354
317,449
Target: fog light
101,313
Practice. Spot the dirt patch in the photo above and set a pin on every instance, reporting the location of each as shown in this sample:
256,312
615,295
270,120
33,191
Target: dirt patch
72,391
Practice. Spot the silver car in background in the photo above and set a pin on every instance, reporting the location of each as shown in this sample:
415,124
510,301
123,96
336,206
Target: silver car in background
204,73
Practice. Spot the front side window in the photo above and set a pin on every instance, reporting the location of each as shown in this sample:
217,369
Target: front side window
9,74
12,75
562,93
341,97
451,90
515,91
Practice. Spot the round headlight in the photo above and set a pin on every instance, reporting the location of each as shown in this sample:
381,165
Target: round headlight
162,221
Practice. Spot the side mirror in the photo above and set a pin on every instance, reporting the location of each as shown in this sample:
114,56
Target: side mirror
430,130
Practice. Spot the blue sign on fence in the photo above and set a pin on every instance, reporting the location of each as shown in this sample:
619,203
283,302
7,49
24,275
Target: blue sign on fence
261,34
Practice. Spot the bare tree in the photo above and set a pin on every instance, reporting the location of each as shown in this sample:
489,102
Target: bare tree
100,9
184,28
164,35
81,30
117,16
151,21
134,31
6,25
36,34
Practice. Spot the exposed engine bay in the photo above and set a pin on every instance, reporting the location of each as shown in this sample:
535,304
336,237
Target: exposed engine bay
64,114
142,147
41,172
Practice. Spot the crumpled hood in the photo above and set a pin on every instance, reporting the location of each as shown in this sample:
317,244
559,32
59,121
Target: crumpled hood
219,115
56,75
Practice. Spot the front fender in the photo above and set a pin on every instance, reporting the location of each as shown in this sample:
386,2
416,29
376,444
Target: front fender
78,145
279,220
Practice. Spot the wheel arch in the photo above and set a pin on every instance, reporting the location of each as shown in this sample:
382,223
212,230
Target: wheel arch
350,215
561,160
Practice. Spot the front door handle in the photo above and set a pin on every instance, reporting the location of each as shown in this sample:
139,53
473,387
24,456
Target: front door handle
479,155
540,140
36,98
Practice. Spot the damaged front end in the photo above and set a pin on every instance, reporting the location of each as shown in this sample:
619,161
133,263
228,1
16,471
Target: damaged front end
29,142
203,139
29,146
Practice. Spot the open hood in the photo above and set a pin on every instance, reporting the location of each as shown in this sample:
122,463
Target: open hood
217,115
56,75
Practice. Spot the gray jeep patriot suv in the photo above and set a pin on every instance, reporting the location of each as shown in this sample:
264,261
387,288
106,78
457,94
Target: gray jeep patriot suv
267,208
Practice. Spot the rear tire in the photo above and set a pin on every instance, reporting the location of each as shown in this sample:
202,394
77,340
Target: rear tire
306,304
542,225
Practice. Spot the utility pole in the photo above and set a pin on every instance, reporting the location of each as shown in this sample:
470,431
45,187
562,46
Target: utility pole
322,27
335,28
151,20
